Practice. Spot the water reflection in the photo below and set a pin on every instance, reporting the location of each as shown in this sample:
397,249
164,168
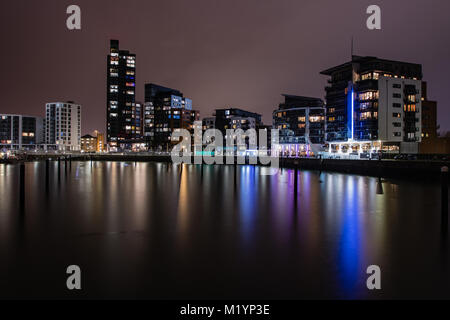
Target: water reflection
154,230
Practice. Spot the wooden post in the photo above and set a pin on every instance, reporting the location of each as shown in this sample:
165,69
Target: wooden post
235,176
295,187
22,187
444,199
379,186
47,175
59,169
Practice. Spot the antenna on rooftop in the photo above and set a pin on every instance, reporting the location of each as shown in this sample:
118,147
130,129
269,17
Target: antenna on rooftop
351,52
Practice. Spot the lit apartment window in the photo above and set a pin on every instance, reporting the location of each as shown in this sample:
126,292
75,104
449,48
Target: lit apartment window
370,95
410,108
315,118
411,98
365,115
366,76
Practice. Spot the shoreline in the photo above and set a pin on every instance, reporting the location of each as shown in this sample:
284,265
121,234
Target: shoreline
404,169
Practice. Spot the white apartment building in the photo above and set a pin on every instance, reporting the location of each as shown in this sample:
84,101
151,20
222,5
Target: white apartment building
63,126
400,111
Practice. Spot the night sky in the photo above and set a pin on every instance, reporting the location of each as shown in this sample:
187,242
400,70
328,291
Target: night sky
218,52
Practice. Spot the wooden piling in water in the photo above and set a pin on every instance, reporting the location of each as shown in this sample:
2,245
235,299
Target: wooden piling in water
444,199
59,169
22,187
47,175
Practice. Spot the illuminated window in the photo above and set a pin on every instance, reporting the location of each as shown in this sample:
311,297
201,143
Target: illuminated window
366,76
365,115
301,119
369,95
315,118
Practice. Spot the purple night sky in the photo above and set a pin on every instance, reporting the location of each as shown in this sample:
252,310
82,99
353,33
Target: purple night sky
241,53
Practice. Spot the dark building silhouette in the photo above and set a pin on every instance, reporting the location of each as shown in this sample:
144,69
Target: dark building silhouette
165,109
429,115
122,130
300,120
233,118
19,132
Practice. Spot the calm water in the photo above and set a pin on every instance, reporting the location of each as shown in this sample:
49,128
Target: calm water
149,231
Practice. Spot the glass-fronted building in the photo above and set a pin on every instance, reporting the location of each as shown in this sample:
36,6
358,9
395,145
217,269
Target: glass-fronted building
373,105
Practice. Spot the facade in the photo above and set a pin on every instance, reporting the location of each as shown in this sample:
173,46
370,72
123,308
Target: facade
137,120
374,105
121,107
165,110
208,123
429,115
301,124
233,118
63,126
101,142
19,132
88,143
195,116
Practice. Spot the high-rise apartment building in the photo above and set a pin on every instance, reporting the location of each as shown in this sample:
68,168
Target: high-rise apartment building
374,104
63,126
19,132
121,126
165,110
